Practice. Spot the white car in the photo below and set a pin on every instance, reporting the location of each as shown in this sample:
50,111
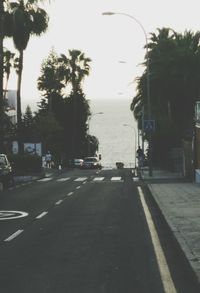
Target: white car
91,163
78,163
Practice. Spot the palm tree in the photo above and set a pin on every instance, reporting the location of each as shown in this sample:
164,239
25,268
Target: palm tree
4,31
27,19
8,63
76,68
175,86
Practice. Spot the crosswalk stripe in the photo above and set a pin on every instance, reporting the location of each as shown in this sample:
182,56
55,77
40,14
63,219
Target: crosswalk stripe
116,178
81,179
45,179
62,179
98,178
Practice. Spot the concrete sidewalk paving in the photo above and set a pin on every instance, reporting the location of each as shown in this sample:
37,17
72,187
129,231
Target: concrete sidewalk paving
179,202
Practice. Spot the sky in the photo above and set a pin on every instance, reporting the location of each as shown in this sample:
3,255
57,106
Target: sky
114,43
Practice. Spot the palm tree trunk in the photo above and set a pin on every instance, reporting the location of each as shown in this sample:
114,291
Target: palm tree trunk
19,112
1,77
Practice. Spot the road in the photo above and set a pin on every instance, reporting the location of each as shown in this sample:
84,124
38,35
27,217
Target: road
87,231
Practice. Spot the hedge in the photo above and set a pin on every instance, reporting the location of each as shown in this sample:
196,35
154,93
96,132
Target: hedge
25,164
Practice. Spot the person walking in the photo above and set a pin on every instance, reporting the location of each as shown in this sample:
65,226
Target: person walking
140,156
48,159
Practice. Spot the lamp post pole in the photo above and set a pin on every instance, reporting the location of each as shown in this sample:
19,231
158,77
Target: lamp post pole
135,142
148,83
89,119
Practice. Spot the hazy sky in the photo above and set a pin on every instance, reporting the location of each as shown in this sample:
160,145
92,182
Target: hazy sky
78,24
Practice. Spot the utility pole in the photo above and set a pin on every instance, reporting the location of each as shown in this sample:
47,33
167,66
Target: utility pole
147,83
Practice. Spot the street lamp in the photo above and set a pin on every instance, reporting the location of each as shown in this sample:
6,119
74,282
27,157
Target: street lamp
134,141
148,82
89,119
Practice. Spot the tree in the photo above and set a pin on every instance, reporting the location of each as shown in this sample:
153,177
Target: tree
29,126
1,75
75,67
50,133
8,60
50,82
59,76
27,19
174,61
76,124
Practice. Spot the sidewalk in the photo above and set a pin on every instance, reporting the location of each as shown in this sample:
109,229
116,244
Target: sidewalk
179,202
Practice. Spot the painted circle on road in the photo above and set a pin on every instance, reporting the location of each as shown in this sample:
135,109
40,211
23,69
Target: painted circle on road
10,215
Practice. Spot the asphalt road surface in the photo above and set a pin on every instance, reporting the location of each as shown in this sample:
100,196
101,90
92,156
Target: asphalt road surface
87,231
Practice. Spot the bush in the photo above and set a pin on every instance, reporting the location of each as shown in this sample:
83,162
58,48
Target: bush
26,164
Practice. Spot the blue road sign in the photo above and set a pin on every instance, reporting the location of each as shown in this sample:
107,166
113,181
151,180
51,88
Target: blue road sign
149,125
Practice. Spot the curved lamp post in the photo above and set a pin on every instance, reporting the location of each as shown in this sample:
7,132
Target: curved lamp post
148,80
89,119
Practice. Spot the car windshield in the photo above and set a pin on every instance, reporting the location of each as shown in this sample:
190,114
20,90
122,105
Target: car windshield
90,160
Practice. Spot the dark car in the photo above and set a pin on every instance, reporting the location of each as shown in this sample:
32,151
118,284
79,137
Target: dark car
6,172
91,163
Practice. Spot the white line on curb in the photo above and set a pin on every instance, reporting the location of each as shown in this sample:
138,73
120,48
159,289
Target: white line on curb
160,257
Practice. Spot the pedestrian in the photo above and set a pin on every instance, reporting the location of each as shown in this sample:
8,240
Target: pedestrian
48,159
140,156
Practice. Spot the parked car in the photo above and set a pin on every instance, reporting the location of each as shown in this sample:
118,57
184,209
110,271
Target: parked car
91,163
78,163
6,171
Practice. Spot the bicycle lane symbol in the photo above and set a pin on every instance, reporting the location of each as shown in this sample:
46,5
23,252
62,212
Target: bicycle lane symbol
10,215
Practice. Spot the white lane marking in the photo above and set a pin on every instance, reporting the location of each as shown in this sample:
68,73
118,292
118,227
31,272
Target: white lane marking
78,187
45,179
81,179
84,182
116,179
59,202
160,257
63,179
14,235
41,215
135,178
70,193
98,178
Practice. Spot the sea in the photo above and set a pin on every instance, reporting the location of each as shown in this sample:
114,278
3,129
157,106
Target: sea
117,142
116,130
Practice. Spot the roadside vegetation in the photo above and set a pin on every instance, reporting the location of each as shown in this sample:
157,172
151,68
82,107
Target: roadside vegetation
61,120
174,66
